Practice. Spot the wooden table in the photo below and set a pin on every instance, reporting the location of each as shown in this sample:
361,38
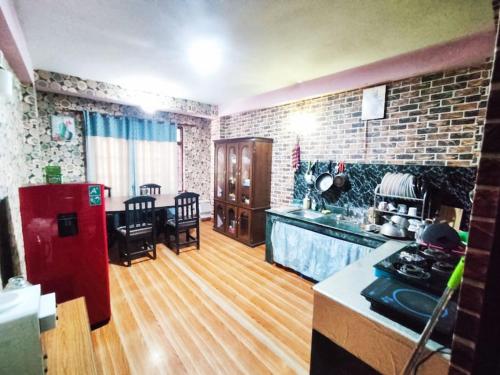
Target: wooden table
115,204
69,345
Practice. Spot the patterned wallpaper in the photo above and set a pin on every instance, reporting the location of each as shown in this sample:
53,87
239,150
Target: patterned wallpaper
41,150
13,175
197,163
76,86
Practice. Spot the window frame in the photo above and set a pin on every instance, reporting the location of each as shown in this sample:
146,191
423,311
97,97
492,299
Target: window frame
180,157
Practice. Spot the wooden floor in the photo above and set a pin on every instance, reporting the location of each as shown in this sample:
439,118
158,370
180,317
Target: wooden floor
220,310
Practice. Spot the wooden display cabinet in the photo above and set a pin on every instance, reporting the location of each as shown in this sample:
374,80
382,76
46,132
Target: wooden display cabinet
242,190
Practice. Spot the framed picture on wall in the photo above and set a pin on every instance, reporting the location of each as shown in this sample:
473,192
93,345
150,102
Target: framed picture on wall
373,105
63,128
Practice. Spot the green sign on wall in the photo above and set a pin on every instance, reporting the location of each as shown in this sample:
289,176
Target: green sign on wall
95,195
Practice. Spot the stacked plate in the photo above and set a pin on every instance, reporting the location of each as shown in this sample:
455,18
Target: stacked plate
399,184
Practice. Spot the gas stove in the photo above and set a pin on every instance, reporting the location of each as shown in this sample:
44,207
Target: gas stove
425,268
409,285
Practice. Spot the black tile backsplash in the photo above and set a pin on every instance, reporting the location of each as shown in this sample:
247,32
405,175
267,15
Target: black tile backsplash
448,185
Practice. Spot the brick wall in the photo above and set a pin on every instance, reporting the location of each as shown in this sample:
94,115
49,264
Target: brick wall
13,174
435,119
475,343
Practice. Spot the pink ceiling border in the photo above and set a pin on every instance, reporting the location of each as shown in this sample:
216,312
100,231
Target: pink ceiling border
467,51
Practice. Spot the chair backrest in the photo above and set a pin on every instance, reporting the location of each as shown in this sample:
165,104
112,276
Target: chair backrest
187,207
108,189
150,189
139,213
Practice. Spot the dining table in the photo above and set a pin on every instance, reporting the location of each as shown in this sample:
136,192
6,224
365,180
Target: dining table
115,211
115,205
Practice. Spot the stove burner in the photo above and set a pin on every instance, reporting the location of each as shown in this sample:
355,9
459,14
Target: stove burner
413,271
443,267
417,302
435,254
411,257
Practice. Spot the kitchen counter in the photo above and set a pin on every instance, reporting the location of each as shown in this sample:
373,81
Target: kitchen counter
344,317
324,224
328,221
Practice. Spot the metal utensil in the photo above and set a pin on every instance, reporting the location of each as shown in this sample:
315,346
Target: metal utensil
324,181
393,231
339,179
400,221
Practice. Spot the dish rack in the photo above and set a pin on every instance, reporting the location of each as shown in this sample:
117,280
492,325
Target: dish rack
423,204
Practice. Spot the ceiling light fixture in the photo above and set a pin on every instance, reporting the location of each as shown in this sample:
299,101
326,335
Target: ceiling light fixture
205,55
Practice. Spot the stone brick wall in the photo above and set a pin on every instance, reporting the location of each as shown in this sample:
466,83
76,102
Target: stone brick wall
12,175
41,150
65,84
435,119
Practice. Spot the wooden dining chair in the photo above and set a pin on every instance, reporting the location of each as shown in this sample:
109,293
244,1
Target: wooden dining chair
139,229
150,189
108,189
186,217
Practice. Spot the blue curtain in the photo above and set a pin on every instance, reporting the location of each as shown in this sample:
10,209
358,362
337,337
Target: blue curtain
123,152
131,128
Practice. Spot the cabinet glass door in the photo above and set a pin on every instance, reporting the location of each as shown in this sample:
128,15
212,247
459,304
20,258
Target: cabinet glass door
245,182
219,216
220,171
231,220
232,172
244,224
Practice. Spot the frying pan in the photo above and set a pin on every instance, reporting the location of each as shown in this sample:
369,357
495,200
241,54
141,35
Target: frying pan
324,181
339,179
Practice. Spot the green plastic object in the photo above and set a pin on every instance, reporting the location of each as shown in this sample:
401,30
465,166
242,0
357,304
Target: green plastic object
456,276
464,236
52,174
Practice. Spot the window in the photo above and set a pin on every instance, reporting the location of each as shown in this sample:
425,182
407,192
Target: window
180,158
126,152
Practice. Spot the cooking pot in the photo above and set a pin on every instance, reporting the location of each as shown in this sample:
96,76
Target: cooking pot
441,236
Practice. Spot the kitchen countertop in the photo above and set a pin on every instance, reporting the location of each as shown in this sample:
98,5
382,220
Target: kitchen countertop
345,286
327,221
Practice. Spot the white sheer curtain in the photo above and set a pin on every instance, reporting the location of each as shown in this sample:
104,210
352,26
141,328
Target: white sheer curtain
126,152
107,163
156,162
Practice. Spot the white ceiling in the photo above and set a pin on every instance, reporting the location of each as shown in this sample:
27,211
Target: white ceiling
266,44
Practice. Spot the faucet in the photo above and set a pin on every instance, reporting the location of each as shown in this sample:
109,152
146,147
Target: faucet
347,209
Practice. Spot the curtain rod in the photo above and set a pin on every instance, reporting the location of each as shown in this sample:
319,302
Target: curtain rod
80,111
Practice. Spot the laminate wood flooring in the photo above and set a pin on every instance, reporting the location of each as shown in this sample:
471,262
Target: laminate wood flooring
219,310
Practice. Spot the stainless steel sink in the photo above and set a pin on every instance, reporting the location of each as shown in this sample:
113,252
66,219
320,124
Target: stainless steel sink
308,214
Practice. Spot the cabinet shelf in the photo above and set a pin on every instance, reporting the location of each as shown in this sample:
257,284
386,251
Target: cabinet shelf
243,175
398,214
400,197
422,204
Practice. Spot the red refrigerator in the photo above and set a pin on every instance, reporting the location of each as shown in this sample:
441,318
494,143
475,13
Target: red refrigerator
65,242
